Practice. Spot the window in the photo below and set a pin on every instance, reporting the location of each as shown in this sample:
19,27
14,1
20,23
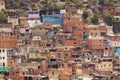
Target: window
102,34
97,66
66,48
3,50
109,9
117,14
109,64
3,64
11,50
117,19
23,73
104,65
88,58
66,54
79,67
1,3
38,67
62,65
75,43
95,34
91,33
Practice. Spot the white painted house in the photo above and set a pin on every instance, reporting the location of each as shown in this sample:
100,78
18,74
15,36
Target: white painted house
2,4
3,57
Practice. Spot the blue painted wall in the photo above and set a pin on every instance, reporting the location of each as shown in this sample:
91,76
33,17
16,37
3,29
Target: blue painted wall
117,51
52,19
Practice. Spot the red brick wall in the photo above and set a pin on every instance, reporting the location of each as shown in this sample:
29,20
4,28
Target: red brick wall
64,77
98,29
70,42
69,23
96,44
8,41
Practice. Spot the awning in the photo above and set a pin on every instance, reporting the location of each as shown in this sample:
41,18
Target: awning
3,69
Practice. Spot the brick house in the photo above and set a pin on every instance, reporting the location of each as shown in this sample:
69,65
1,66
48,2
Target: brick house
7,48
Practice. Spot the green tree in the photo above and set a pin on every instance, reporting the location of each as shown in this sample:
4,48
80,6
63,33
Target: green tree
67,1
104,2
44,1
109,19
86,14
94,2
108,2
77,3
57,5
3,16
9,4
94,19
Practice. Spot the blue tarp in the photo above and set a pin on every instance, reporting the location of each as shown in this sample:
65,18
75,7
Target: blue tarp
52,19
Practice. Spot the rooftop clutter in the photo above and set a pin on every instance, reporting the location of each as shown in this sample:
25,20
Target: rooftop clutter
61,44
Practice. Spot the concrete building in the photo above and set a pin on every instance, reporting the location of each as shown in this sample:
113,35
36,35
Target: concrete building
104,65
14,21
6,29
22,21
7,48
3,57
33,18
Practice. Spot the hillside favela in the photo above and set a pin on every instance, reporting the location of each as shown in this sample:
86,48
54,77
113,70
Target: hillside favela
59,39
